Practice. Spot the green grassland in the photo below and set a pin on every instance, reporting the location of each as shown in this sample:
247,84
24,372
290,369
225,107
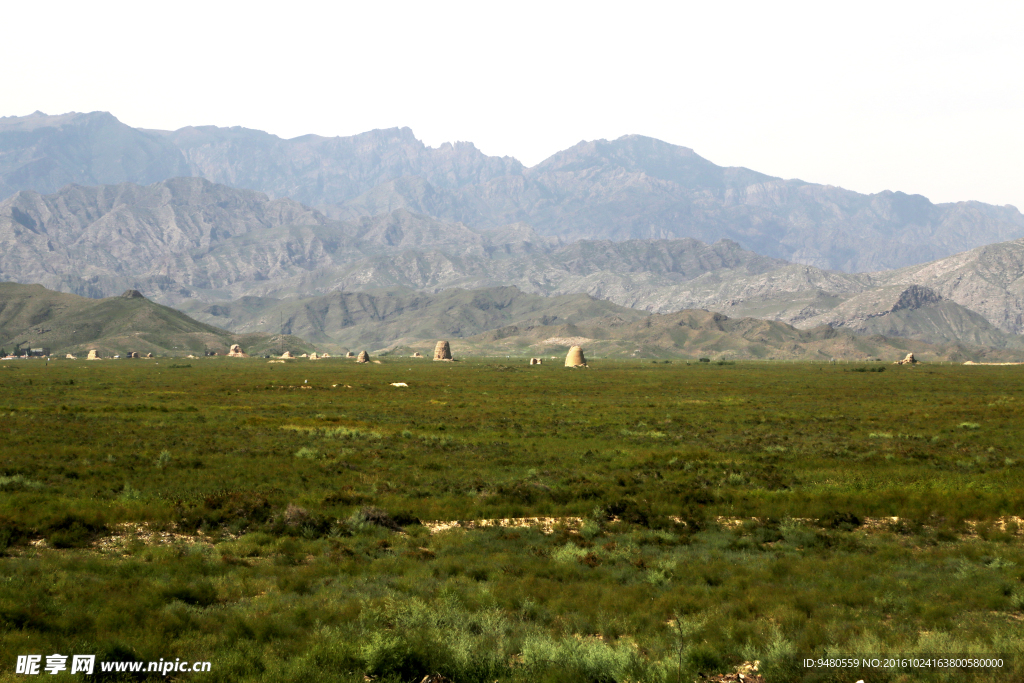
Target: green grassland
264,517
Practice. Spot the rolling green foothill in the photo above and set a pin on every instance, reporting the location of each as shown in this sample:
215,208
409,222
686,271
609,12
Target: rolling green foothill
62,324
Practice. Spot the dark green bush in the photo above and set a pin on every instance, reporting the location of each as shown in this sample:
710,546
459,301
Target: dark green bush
200,593
72,531
520,492
843,521
382,518
346,496
240,508
767,534
627,511
12,533
703,659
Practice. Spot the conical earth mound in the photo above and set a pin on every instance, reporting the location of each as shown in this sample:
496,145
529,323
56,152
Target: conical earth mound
442,351
575,359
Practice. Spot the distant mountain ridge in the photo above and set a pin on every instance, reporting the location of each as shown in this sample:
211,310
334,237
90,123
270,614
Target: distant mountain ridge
318,170
631,188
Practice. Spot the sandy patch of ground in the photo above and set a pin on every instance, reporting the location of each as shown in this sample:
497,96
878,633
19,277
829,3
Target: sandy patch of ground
544,524
127,533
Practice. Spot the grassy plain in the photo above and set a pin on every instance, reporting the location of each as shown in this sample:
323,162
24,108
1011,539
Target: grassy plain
218,509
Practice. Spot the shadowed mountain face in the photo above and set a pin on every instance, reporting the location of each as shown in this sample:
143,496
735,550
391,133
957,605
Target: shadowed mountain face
989,280
913,312
631,188
97,241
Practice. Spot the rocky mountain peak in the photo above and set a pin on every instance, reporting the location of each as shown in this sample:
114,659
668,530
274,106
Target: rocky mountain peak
915,296
638,154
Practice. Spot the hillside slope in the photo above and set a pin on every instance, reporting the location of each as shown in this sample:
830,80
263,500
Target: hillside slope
376,319
33,316
695,334
97,241
989,280
507,321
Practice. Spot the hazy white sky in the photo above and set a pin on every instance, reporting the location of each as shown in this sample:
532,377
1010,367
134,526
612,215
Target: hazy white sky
924,97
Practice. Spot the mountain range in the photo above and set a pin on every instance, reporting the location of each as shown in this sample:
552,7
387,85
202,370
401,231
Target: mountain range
190,243
637,222
634,187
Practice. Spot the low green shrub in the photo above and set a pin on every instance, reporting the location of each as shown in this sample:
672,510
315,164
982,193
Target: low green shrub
349,433
375,516
200,593
843,521
19,482
12,533
240,508
72,530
